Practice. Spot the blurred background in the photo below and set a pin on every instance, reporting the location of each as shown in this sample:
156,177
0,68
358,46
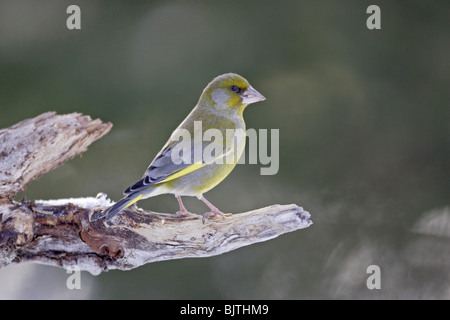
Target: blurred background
364,136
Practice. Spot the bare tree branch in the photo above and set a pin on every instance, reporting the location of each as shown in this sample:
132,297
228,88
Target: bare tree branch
36,146
59,232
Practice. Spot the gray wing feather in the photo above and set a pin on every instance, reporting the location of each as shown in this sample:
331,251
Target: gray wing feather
167,162
164,165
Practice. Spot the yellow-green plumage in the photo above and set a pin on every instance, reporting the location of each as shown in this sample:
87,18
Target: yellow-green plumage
220,107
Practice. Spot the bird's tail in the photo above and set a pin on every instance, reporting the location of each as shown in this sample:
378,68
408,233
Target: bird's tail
116,208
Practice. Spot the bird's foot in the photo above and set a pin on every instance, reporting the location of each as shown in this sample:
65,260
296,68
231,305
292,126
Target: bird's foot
184,213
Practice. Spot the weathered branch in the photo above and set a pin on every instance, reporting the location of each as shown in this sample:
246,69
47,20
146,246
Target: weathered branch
36,146
59,232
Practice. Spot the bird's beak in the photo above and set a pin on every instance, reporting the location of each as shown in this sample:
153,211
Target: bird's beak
251,96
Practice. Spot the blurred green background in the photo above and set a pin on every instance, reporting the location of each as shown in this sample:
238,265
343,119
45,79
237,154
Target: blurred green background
364,136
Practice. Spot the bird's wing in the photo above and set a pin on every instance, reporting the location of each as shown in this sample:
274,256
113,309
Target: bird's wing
170,164
165,164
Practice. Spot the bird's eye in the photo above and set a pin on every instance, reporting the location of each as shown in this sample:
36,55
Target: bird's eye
234,88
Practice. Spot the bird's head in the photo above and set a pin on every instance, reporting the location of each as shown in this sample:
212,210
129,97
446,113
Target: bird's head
231,91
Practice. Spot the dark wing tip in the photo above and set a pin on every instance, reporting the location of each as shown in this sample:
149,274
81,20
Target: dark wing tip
137,185
145,181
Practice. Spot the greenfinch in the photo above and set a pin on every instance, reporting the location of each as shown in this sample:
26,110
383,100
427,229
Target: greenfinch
176,169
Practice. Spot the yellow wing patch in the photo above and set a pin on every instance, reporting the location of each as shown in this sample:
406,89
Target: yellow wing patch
133,201
191,168
183,172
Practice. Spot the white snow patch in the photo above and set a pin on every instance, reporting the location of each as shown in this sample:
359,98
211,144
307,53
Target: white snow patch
91,203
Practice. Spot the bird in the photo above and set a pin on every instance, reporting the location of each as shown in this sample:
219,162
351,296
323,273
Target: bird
176,169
